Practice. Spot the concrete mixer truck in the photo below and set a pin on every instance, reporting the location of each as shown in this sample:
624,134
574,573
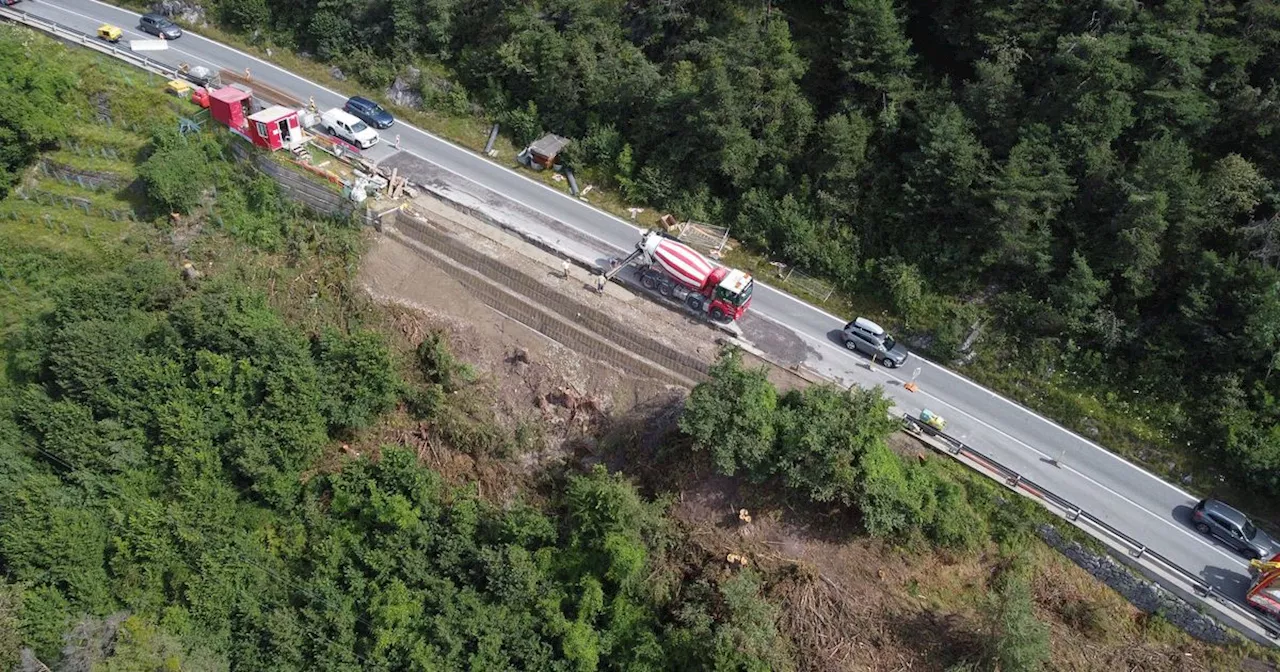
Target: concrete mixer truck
679,273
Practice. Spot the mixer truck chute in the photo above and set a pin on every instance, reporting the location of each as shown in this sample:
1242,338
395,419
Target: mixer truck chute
678,272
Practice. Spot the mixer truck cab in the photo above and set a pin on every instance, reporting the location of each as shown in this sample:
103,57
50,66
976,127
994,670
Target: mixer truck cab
732,296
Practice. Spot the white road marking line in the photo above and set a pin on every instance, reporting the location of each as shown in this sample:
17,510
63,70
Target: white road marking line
1160,517
130,31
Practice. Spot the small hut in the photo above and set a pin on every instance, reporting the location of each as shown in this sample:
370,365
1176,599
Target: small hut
544,151
275,127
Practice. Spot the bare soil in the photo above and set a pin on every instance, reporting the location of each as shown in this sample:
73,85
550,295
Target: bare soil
855,603
533,380
851,603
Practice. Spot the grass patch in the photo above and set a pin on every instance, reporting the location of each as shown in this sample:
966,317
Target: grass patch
123,167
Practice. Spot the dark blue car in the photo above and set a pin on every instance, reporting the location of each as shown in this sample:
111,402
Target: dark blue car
369,112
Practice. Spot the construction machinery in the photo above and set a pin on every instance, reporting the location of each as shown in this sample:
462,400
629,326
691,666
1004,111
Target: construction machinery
679,273
179,88
933,420
1264,591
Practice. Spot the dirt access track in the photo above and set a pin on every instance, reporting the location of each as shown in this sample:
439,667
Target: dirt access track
512,314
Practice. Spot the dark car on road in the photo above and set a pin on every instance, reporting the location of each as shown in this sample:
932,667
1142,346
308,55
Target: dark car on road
159,26
369,112
1216,519
863,335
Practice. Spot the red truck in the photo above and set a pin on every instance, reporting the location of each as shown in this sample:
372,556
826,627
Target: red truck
678,272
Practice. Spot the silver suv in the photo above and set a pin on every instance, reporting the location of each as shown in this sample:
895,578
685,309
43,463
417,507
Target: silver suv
159,26
1214,518
863,335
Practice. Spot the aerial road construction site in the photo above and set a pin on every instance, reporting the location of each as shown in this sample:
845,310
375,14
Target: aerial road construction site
465,232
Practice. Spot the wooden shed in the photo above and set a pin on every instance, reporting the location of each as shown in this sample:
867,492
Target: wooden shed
544,151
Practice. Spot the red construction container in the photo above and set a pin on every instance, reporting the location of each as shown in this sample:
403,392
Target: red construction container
275,127
230,106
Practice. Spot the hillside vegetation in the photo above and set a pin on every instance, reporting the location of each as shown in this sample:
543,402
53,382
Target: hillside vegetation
179,490
1088,186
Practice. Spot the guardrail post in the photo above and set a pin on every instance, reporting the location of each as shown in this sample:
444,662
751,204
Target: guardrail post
1073,515
1137,554
1201,590
1013,480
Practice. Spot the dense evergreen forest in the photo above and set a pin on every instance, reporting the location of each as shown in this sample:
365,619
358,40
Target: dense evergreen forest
1093,182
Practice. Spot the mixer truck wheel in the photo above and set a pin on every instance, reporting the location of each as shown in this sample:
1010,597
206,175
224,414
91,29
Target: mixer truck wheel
717,315
648,281
694,302
666,289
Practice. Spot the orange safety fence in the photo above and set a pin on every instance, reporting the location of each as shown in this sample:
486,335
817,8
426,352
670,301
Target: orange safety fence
326,174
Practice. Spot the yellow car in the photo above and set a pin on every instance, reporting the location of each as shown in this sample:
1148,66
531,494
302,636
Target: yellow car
109,33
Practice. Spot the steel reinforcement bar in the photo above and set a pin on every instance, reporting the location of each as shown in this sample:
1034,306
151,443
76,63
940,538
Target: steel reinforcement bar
616,335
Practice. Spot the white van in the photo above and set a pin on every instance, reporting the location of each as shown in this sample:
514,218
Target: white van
347,127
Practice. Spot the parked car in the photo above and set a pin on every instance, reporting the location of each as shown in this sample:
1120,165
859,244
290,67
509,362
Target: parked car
863,335
159,26
344,126
369,112
1215,518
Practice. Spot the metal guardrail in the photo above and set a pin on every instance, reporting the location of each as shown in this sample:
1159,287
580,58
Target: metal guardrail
956,447
1076,514
83,39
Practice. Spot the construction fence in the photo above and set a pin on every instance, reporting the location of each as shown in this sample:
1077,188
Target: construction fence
304,190
705,238
299,188
797,279
89,180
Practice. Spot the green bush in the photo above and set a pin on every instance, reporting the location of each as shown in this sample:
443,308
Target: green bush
179,170
356,378
906,289
1020,641
438,365
729,625
822,434
524,124
39,111
897,498
732,416
956,524
247,15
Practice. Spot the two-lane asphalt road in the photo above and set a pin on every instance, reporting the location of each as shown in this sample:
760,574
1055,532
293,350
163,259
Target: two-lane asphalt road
1129,498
